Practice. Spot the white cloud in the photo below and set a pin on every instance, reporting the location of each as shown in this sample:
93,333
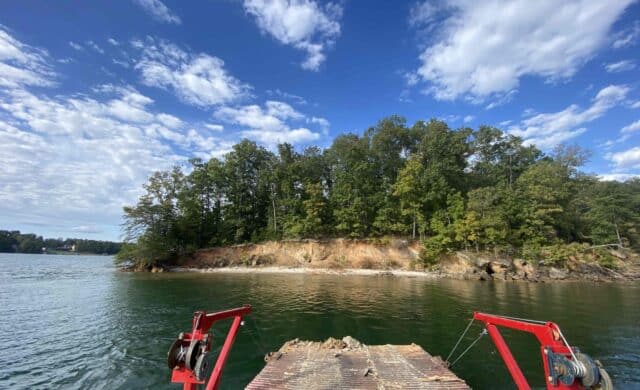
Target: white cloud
617,176
620,66
92,157
95,46
113,42
169,120
631,128
627,37
549,129
76,46
79,157
200,80
302,24
425,14
635,104
483,48
21,64
626,159
90,229
269,124
159,11
214,127
323,123
289,96
468,118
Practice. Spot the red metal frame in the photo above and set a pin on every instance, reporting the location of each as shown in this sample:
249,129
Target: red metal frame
202,322
547,333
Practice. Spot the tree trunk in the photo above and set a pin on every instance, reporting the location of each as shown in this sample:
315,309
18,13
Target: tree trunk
414,226
275,225
618,234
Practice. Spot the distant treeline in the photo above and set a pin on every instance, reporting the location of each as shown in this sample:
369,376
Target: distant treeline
14,241
454,189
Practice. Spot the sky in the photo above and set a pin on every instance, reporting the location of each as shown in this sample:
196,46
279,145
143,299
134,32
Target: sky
95,96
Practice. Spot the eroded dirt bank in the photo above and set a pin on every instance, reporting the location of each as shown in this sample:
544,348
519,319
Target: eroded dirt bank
399,257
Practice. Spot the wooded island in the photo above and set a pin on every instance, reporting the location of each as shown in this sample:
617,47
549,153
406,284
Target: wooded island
450,188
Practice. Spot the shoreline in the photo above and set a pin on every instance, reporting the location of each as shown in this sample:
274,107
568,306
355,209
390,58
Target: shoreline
432,275
307,270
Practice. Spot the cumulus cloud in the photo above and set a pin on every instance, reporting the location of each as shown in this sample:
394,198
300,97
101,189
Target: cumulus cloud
95,46
629,159
631,128
21,64
158,11
546,130
627,37
76,46
483,48
197,79
79,157
620,66
303,24
617,176
270,124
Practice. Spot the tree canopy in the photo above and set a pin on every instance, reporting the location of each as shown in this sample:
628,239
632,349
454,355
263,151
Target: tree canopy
453,188
16,242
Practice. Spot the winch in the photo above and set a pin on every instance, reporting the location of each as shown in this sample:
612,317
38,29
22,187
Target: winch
188,356
565,366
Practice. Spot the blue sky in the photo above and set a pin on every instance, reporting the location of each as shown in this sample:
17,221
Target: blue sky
94,96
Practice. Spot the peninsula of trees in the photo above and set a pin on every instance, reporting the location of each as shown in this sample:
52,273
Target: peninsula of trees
16,242
453,189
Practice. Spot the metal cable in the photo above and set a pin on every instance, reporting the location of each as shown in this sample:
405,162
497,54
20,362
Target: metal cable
484,331
459,339
257,341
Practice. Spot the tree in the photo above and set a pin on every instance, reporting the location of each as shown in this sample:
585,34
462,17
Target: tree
613,213
355,181
410,190
247,191
499,158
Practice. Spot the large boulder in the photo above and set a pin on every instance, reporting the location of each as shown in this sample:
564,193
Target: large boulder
557,273
498,266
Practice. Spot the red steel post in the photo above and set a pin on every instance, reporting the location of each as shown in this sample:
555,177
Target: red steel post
508,358
214,381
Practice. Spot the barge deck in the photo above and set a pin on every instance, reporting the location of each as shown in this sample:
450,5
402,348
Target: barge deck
348,364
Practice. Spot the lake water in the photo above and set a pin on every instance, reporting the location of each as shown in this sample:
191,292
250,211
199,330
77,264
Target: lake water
74,322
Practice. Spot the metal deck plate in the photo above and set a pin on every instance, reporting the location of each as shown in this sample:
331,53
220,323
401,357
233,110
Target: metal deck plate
308,365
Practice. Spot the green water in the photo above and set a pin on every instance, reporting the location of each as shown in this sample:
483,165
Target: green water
74,322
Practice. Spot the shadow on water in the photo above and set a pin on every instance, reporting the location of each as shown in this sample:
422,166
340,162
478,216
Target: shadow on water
106,329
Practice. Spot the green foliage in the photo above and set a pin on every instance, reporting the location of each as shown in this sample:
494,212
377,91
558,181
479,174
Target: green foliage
559,253
14,241
462,189
433,248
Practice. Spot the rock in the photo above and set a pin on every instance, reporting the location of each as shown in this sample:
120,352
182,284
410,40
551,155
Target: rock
463,257
497,267
351,343
557,274
483,275
156,269
481,262
524,270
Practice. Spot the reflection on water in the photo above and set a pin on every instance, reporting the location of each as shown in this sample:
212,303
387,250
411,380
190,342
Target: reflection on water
73,322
